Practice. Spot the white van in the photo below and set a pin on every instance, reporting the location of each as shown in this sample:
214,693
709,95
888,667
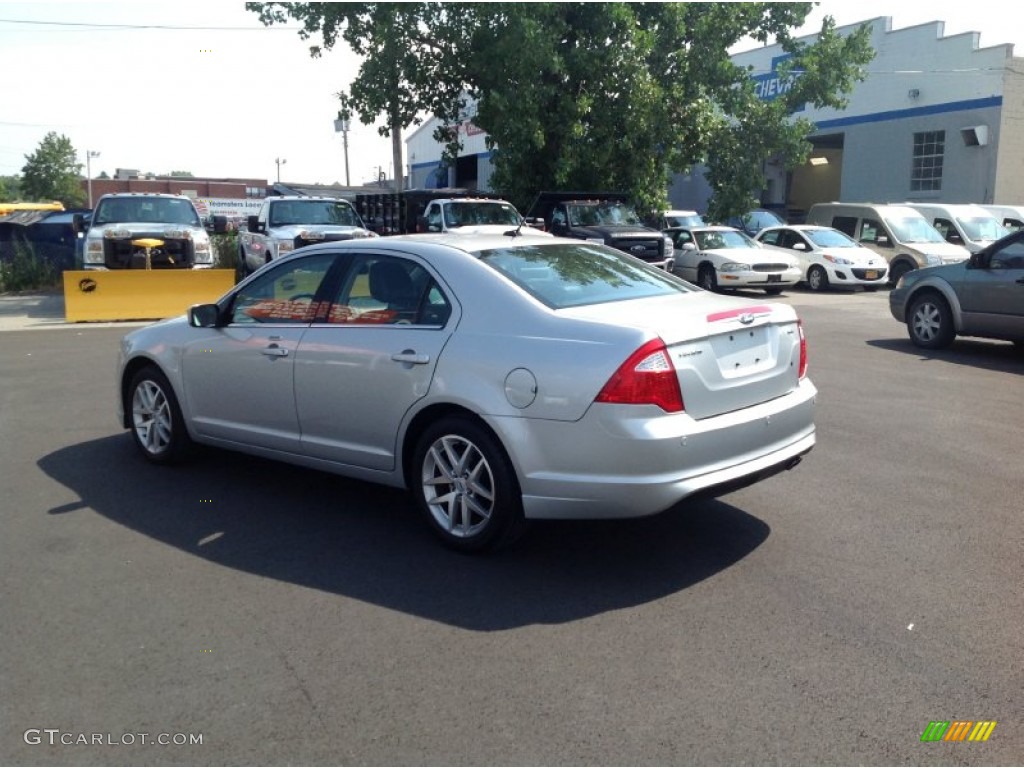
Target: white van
898,233
968,225
1010,216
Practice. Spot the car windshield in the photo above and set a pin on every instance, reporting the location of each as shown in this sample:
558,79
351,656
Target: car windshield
572,275
830,238
463,214
334,212
598,214
725,238
155,210
983,228
761,219
911,229
684,220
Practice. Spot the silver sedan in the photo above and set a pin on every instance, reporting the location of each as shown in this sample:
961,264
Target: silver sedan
499,378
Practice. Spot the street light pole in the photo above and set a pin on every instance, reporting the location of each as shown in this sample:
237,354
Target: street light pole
280,161
341,126
89,155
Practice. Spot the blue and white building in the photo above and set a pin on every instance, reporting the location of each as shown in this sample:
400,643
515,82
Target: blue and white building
937,119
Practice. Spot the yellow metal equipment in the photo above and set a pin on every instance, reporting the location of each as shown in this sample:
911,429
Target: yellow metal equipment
140,294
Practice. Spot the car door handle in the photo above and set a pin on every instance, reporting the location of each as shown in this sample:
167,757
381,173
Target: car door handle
274,351
410,356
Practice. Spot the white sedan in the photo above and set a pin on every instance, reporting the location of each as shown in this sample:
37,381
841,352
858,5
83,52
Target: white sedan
718,258
828,257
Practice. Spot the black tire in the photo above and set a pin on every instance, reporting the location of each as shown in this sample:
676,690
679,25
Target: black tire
466,486
817,278
898,270
706,278
930,321
155,418
773,291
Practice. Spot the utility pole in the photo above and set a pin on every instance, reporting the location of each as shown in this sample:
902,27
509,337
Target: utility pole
341,126
280,161
89,155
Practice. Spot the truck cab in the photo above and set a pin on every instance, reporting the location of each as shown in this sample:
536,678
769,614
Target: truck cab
136,230
602,217
289,222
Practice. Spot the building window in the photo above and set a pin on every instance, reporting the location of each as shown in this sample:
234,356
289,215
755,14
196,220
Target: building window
929,148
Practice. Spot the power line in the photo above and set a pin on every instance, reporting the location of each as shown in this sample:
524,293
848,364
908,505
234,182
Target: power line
95,25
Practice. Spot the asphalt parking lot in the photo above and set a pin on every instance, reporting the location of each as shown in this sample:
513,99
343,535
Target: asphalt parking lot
283,616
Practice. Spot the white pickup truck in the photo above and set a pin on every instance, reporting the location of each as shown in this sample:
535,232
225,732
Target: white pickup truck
286,223
139,230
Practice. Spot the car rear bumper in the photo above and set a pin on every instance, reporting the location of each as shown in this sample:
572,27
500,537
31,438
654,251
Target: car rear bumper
612,464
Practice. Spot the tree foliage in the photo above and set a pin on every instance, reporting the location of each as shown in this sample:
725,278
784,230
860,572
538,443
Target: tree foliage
10,188
53,172
410,58
593,96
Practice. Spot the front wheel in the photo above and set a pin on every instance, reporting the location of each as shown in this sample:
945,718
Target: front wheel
897,271
466,486
706,278
930,322
156,422
817,278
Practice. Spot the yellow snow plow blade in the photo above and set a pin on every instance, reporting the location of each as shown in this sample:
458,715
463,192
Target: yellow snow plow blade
140,294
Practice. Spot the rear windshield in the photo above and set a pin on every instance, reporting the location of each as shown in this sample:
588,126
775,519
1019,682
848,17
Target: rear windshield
569,275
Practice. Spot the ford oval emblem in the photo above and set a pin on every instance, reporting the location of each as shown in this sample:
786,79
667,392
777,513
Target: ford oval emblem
638,249
87,285
746,318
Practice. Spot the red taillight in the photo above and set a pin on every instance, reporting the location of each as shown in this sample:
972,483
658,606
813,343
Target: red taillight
803,350
646,378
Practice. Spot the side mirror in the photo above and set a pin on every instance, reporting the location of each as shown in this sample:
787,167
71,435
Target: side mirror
220,225
203,315
689,246
252,223
799,246
79,223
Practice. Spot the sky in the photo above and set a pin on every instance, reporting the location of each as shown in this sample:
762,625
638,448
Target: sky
204,87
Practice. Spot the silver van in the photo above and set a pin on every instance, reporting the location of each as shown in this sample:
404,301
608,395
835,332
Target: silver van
898,233
968,225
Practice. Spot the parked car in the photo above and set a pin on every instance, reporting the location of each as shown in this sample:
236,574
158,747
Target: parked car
828,257
754,221
717,258
499,378
670,219
983,296
898,233
1010,216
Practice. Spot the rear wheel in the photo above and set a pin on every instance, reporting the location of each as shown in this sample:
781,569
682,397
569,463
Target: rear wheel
466,486
817,278
706,278
930,322
156,422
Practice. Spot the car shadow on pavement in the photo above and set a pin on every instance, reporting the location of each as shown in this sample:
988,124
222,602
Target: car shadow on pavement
367,542
977,353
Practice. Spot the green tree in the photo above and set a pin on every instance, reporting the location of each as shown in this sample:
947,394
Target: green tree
53,172
410,53
592,96
10,188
